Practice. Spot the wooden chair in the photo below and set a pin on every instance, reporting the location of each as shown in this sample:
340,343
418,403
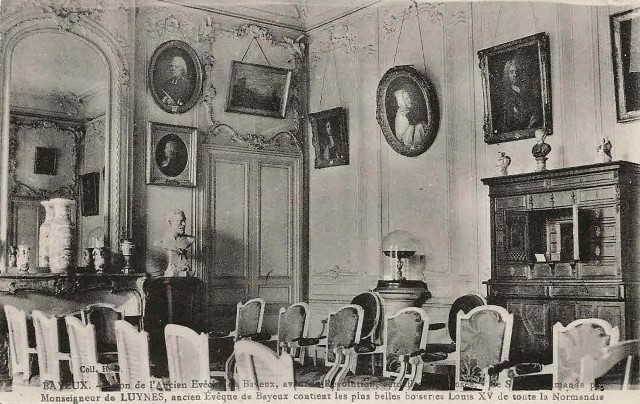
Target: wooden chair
260,368
405,334
19,349
187,354
48,347
483,339
84,358
293,324
133,357
249,317
579,338
344,328
103,316
596,365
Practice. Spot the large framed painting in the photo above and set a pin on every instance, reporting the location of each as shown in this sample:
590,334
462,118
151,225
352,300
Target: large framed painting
407,110
625,39
516,84
171,154
175,77
330,137
258,90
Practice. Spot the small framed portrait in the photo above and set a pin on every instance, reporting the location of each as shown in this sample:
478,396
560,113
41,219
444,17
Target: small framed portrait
330,137
625,39
516,86
175,77
90,194
171,154
258,90
407,110
46,161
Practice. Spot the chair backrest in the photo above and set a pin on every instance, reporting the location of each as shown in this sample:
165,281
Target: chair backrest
293,322
344,328
257,367
483,339
82,347
592,367
18,343
585,336
187,354
466,303
103,316
47,346
249,317
405,333
371,303
133,355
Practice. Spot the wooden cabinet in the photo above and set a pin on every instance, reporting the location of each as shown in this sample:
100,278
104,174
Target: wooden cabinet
565,245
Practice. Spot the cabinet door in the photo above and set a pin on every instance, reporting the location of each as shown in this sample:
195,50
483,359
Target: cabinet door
512,236
530,340
565,312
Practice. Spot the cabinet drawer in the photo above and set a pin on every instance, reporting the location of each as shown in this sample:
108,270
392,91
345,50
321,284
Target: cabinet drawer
519,290
596,270
576,291
593,195
578,180
511,202
512,270
552,199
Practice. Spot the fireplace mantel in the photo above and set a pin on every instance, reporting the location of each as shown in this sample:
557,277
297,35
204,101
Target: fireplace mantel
68,285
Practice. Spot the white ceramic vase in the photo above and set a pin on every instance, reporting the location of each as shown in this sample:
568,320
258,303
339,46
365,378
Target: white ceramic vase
60,245
43,237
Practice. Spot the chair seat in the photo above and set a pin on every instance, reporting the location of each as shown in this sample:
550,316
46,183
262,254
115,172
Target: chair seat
309,375
365,382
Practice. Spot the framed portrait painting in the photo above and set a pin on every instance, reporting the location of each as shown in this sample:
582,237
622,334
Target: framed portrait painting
171,154
516,86
175,77
407,110
258,90
625,39
330,137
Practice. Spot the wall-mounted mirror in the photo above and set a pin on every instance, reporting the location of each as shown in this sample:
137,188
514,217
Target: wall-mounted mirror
58,105
65,130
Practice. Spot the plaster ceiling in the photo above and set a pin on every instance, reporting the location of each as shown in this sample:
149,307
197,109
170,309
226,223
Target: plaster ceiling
301,15
55,73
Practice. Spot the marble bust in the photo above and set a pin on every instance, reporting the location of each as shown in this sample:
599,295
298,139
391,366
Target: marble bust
177,244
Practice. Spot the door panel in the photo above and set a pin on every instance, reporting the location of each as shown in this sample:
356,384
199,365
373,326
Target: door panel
253,225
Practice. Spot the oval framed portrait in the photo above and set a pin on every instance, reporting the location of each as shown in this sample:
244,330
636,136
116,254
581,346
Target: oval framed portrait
407,110
175,77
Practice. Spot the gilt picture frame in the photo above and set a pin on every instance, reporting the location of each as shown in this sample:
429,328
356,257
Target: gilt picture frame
175,77
516,86
407,110
171,154
625,49
258,90
330,137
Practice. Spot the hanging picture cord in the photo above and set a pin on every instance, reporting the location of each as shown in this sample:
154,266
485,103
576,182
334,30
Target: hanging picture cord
533,16
260,46
324,74
414,4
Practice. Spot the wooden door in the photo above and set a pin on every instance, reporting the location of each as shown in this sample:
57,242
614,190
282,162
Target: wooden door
252,233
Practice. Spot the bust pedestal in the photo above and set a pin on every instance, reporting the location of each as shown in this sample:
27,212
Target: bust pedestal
398,294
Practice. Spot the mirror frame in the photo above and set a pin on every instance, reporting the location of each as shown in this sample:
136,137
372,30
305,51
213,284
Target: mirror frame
14,27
